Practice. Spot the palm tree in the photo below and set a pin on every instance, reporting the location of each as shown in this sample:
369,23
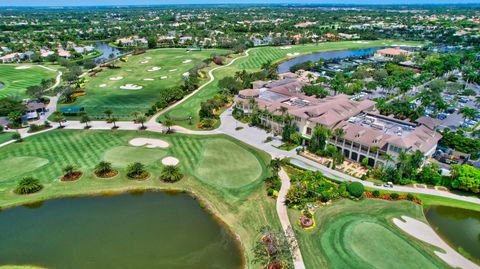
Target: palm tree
477,100
58,117
85,119
108,112
69,170
169,122
276,165
103,167
142,119
468,113
171,173
114,120
283,110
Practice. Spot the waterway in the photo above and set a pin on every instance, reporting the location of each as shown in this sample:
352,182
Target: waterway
326,55
108,52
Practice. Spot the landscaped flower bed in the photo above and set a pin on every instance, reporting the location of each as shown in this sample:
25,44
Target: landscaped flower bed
393,197
307,220
72,176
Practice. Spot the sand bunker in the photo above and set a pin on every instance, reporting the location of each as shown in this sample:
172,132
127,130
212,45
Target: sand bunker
23,67
425,233
148,142
148,79
286,48
144,62
361,42
187,61
116,78
170,161
102,85
293,54
133,87
153,69
148,58
163,77
172,70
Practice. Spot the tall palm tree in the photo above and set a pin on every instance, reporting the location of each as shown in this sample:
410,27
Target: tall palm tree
135,115
114,120
85,119
103,167
276,165
169,122
69,170
108,112
58,117
142,119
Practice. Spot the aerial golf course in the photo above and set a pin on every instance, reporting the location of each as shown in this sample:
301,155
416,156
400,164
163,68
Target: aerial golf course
15,79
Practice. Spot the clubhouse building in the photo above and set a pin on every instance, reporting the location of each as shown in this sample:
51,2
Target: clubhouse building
367,134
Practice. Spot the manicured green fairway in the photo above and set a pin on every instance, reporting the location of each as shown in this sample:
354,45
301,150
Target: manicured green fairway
258,56
104,93
237,196
16,80
362,235
4,137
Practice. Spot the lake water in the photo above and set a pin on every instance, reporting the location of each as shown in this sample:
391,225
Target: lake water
107,51
459,227
143,230
326,55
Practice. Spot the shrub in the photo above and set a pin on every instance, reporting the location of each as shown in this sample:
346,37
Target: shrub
394,195
410,197
376,193
171,173
28,185
136,170
355,189
17,137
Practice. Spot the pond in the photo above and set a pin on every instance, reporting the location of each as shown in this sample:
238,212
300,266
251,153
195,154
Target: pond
459,227
326,55
133,230
107,50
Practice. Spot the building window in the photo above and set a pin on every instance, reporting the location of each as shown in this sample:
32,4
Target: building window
309,131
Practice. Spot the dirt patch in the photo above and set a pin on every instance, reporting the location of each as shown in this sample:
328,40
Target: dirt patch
170,161
149,143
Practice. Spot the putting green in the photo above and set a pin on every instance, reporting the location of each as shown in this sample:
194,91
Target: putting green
226,164
18,166
399,254
123,155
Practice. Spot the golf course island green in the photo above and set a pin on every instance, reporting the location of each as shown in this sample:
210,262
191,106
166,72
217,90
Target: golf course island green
253,62
136,84
361,234
51,152
17,78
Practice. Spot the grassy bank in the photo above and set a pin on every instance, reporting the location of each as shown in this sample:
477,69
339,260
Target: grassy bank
228,178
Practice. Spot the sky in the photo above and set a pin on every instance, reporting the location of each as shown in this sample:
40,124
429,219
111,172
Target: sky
169,2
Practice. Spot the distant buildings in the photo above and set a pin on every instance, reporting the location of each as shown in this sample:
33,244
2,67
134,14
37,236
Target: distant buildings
391,53
132,41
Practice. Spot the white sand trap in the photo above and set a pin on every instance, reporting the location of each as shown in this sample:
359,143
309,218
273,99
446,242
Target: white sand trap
148,79
170,161
172,70
163,77
102,85
286,48
187,61
153,69
144,62
293,54
116,78
361,42
133,87
22,67
425,233
148,142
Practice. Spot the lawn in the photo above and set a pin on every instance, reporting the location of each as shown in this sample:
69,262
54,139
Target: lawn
16,80
258,56
235,194
361,234
4,137
103,93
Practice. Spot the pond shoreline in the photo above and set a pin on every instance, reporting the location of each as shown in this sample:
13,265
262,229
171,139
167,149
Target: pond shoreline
204,204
